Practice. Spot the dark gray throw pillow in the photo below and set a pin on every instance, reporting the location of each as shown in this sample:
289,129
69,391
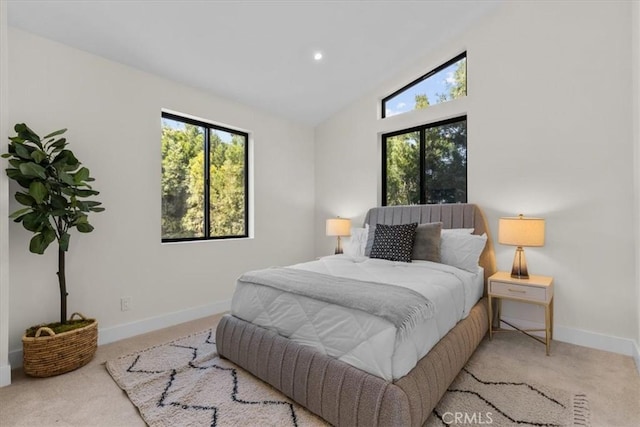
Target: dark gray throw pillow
394,242
427,242
369,245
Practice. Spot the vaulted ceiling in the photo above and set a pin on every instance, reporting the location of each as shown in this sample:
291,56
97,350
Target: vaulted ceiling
259,53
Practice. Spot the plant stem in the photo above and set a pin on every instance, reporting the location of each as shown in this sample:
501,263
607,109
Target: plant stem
62,280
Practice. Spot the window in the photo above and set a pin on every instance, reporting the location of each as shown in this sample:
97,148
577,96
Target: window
445,83
426,164
204,180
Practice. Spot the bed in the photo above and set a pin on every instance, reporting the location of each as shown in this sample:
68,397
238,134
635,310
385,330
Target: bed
344,394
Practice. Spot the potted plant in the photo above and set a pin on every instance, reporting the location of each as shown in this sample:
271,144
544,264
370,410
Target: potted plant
54,191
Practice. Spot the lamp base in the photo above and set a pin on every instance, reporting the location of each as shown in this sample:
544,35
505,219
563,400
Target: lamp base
519,269
338,247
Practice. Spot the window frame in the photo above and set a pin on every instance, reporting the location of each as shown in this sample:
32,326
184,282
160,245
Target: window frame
422,152
420,79
207,172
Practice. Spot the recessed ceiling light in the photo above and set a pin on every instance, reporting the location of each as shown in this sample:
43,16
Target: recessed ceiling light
317,56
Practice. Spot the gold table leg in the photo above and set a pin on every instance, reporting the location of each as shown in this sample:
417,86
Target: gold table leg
547,326
551,303
490,318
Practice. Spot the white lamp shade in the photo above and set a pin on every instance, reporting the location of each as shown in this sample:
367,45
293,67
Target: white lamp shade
338,227
521,231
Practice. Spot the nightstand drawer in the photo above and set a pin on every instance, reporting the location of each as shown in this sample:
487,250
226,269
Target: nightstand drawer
518,291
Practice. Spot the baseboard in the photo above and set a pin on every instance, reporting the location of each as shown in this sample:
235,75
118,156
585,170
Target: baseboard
117,333
5,375
584,338
128,330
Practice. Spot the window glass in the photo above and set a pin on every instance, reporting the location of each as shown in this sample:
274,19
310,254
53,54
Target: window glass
403,169
445,83
427,164
227,183
204,180
445,172
182,162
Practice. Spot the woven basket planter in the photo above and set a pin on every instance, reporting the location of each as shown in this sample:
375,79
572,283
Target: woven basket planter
48,354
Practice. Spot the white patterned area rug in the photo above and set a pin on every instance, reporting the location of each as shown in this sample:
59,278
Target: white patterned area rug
474,399
186,383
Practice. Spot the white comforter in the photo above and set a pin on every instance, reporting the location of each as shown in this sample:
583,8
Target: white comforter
353,336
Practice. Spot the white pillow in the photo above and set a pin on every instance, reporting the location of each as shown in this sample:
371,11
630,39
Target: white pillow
462,250
354,246
457,230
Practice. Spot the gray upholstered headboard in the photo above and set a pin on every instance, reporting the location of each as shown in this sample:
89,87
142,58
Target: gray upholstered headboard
458,215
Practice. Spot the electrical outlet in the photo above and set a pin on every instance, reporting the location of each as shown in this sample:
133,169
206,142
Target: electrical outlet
125,303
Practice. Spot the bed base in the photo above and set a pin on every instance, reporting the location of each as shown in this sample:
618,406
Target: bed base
342,394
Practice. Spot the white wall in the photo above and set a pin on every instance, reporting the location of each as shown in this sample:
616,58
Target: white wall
5,367
549,110
113,116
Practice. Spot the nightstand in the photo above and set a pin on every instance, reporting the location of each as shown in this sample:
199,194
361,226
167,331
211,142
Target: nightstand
534,290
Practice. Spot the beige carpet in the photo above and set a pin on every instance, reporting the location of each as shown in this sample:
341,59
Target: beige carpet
184,382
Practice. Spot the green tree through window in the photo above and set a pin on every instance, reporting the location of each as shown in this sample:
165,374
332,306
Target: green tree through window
191,209
442,84
427,164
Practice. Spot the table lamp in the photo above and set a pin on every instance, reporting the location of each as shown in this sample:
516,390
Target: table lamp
520,231
339,227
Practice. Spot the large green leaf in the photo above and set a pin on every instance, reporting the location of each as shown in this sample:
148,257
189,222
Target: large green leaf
52,134
81,175
59,202
71,159
38,244
87,206
14,173
61,157
38,191
48,233
84,227
22,151
35,221
33,169
66,178
19,213
38,156
15,162
58,145
41,241
25,132
68,157
69,191
25,199
86,193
